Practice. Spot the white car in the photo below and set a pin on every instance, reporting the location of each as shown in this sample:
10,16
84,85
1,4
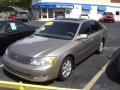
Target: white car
86,16
23,16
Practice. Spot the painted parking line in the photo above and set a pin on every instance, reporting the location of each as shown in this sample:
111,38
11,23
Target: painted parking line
23,86
1,65
96,77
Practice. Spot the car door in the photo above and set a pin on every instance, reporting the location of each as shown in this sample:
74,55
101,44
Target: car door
84,46
96,32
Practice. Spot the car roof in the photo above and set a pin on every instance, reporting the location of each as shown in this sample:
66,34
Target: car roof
72,20
3,19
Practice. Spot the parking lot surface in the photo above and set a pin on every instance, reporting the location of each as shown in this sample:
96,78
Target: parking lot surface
92,73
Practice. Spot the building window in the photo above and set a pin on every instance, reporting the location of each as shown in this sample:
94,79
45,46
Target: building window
68,11
100,12
59,12
86,8
101,9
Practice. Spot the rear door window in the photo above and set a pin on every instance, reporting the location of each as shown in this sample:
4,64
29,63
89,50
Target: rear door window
95,26
11,26
14,26
85,28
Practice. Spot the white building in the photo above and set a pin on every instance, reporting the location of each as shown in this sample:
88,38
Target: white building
50,9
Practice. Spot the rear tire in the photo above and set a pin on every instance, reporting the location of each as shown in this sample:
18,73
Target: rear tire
101,46
65,68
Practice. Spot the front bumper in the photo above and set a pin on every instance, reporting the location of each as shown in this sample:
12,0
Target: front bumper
30,72
108,19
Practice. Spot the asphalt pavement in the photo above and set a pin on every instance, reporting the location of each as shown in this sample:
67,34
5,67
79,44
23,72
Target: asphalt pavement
84,75
110,80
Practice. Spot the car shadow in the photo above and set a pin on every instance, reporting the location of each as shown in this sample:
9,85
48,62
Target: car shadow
112,71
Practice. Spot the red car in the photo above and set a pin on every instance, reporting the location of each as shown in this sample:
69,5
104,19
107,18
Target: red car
108,17
12,17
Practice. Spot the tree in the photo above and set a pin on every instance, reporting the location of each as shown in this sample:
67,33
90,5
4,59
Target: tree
26,4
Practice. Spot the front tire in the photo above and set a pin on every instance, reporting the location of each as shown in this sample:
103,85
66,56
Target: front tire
65,68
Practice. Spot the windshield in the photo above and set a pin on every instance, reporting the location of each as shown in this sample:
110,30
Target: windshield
23,13
57,29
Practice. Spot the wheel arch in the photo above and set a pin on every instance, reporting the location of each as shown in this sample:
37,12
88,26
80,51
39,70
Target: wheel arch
73,59
59,77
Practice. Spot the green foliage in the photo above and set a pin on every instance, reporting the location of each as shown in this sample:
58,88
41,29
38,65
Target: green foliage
20,3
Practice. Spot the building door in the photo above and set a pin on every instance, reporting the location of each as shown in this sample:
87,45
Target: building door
59,12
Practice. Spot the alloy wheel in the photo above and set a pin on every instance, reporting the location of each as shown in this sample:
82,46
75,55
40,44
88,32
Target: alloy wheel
67,68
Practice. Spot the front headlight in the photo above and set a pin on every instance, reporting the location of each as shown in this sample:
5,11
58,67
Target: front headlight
44,61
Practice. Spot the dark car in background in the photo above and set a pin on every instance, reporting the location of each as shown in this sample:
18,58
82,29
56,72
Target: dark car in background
108,17
12,30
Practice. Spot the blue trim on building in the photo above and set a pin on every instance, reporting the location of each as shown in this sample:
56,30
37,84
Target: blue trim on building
53,5
86,7
101,8
65,5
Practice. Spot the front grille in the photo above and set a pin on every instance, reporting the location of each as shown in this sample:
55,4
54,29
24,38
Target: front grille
17,72
19,58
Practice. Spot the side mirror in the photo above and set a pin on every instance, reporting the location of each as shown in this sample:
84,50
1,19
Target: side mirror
82,36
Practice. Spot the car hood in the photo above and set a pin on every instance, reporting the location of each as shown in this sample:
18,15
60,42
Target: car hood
35,45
